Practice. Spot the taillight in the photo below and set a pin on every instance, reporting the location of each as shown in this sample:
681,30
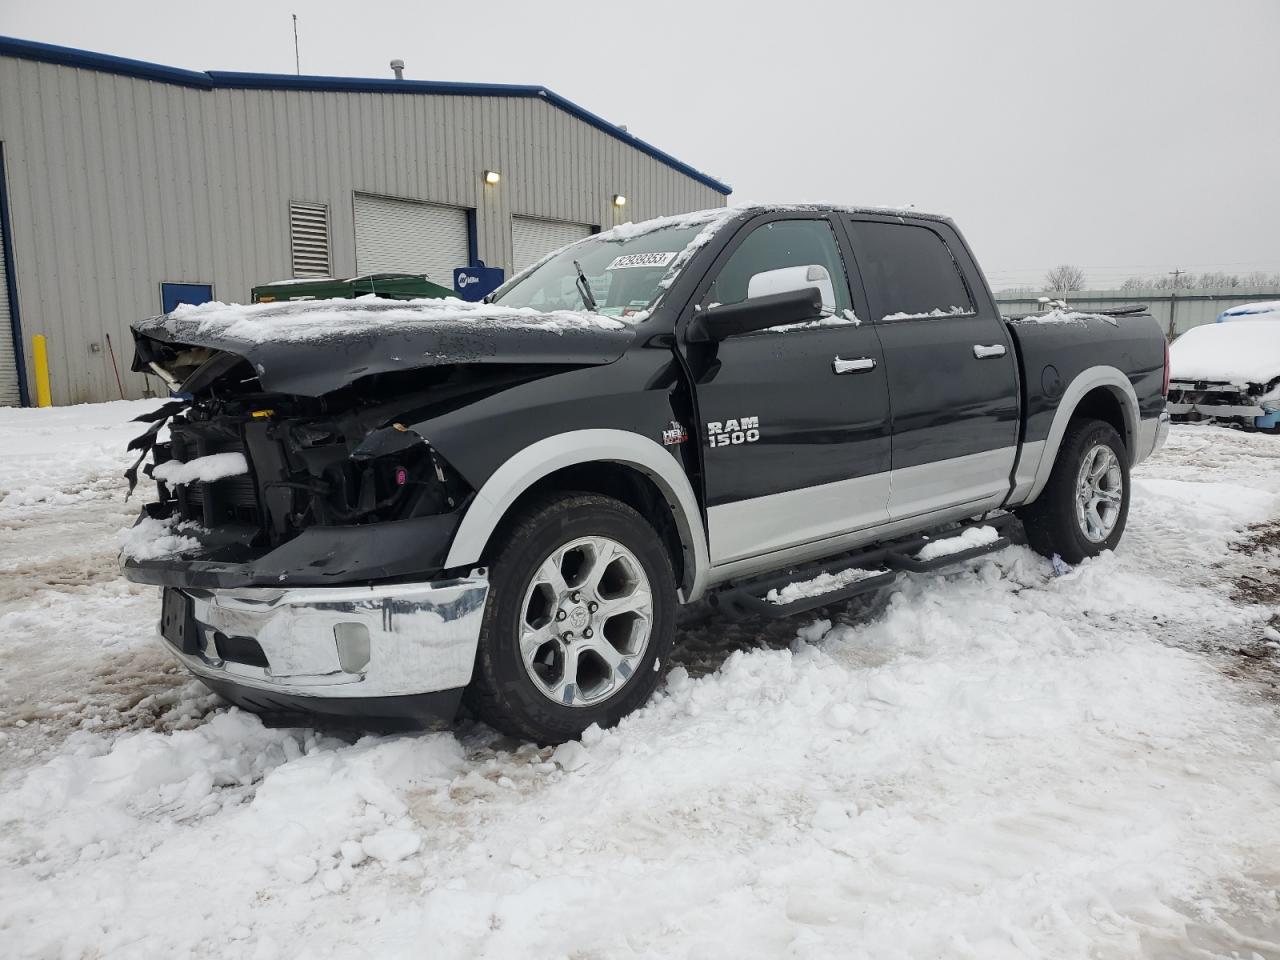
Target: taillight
1164,391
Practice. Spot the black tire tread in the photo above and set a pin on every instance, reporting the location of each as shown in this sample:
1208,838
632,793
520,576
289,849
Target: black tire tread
483,696
1049,522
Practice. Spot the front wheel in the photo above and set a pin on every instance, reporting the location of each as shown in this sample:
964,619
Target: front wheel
1085,505
581,615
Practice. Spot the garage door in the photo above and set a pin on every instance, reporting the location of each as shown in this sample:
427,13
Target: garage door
409,237
533,239
9,396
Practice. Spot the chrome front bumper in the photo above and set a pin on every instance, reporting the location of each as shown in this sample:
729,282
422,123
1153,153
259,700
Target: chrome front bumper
337,642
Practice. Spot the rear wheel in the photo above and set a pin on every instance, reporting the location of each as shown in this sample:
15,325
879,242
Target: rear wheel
1084,507
581,614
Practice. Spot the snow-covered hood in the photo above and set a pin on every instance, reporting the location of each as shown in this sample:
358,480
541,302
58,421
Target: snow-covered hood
313,347
1238,351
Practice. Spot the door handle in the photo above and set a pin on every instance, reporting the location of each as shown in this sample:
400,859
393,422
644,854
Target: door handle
988,353
860,365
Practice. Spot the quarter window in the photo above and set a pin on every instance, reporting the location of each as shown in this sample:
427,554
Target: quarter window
909,270
778,244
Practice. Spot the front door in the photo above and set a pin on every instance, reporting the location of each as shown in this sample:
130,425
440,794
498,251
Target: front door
951,368
794,420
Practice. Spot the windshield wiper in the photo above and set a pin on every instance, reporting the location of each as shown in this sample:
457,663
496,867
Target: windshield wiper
584,289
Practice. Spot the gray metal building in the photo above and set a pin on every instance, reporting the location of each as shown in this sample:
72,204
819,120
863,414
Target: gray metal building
126,187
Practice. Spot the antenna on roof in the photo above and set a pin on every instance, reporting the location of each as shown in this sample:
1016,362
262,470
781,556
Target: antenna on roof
297,60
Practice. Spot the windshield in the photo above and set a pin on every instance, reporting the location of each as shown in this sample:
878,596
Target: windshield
622,276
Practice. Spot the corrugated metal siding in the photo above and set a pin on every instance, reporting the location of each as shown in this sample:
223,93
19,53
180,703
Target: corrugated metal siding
9,393
532,239
1176,313
117,184
405,236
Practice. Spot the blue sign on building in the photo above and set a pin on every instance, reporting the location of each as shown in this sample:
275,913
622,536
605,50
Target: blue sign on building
477,282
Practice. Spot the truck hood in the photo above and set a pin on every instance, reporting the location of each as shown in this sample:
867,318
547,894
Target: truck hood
313,347
1237,351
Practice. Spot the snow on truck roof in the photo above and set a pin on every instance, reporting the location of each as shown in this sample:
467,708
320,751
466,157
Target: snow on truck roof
1248,310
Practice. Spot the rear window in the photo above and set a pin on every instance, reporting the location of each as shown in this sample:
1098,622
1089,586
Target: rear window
909,271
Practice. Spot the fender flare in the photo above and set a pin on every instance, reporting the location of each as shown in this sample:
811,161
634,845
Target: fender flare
525,468
1084,382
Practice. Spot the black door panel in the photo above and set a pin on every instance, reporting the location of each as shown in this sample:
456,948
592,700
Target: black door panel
953,391
776,417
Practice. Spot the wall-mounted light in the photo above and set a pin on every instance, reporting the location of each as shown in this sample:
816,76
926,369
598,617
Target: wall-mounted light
491,177
619,200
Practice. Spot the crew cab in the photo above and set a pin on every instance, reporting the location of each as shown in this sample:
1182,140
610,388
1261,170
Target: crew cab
378,508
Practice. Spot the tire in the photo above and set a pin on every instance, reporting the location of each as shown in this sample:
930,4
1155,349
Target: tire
607,555
1054,524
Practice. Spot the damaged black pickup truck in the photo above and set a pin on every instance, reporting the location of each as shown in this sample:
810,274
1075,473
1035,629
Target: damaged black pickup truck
375,509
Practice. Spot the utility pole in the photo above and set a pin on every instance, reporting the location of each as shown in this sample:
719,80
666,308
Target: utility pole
297,60
1176,273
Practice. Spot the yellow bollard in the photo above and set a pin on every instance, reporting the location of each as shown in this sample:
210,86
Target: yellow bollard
40,357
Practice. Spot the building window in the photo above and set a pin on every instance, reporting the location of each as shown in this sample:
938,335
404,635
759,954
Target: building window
309,238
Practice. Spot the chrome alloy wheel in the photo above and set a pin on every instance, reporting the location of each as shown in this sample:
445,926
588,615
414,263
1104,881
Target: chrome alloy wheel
585,622
1099,492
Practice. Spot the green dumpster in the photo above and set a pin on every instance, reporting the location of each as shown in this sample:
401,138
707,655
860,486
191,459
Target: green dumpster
392,286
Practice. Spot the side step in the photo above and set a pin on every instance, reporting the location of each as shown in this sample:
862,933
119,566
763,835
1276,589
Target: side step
851,575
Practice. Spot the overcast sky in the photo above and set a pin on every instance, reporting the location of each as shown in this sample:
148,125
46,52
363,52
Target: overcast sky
1126,137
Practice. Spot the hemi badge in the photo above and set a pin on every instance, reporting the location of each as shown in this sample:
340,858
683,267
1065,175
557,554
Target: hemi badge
674,434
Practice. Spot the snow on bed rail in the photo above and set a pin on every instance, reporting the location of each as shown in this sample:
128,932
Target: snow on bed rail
325,319
216,466
1067,316
968,540
817,586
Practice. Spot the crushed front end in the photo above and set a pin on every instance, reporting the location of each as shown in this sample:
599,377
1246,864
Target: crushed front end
300,542
1253,406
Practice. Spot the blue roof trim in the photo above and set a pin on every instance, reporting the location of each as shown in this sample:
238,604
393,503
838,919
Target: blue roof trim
219,79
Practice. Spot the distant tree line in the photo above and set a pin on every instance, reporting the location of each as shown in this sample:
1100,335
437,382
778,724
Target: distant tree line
1217,278
1068,278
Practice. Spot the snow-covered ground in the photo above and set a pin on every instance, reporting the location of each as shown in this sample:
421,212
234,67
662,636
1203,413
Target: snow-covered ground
990,763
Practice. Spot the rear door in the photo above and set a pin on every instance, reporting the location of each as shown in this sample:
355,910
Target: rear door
793,420
950,363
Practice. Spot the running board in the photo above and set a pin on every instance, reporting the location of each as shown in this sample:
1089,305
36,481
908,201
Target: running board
870,570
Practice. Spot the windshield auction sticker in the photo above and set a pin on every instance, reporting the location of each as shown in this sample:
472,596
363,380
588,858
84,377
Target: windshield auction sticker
629,260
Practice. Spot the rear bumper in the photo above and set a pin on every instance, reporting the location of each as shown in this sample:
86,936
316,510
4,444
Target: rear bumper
313,647
1152,433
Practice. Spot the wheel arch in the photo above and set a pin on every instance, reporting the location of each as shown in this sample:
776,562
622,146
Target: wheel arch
616,463
1101,392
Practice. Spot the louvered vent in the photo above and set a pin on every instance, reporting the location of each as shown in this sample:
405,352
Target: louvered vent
309,238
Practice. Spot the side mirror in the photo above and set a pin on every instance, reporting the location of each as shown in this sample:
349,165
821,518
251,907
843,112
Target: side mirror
786,279
758,313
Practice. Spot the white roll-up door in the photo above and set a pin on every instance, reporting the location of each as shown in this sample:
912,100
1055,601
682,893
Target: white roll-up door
533,239
9,396
405,236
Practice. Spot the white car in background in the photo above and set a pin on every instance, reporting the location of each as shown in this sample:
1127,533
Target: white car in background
1229,372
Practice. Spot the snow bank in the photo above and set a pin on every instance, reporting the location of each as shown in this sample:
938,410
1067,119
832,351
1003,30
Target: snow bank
1236,352
328,319
968,540
822,583
993,762
216,466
